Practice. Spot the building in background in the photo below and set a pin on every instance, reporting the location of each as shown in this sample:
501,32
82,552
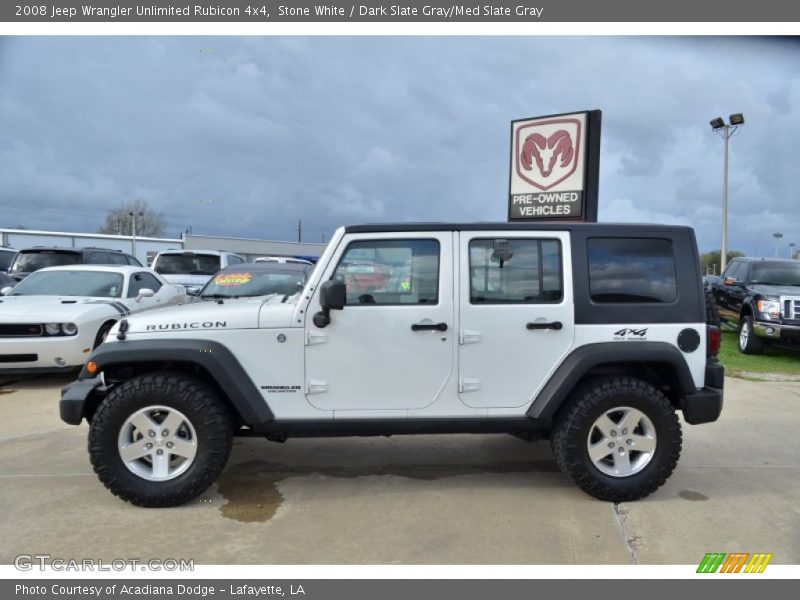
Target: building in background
146,248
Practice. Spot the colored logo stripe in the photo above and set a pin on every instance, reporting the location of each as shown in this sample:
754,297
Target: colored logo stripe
734,562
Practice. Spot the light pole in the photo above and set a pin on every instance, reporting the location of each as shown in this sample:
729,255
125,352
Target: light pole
777,235
132,215
791,249
726,131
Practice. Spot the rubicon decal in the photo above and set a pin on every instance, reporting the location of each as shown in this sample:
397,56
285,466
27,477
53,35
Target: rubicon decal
193,325
546,160
734,562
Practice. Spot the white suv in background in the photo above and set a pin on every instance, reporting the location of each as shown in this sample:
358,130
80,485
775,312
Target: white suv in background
283,260
192,268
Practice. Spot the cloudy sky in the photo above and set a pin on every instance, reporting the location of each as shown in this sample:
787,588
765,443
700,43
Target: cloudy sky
242,136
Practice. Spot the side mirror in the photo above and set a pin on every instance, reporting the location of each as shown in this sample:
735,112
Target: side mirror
145,293
6,290
332,296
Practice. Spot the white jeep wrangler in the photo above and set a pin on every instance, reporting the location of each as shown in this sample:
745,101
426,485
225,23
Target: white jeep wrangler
591,335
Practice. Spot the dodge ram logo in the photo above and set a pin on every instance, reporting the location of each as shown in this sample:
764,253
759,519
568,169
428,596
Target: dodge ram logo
547,151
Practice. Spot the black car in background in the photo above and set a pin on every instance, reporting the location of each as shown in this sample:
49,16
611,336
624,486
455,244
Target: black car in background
29,260
760,297
6,258
6,281
256,279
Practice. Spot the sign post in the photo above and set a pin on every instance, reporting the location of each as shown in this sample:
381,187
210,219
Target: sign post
555,167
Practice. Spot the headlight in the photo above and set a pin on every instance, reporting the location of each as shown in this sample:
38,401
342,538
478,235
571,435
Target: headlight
770,308
52,328
69,328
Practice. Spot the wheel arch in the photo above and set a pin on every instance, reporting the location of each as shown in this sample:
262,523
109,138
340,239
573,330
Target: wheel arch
205,359
658,363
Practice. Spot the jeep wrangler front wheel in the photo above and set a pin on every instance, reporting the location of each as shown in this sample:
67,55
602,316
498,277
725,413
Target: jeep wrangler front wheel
160,439
618,438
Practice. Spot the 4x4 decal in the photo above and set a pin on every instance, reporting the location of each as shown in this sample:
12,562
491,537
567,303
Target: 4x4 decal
630,334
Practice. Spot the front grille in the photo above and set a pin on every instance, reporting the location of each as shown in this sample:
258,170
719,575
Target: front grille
791,308
15,358
20,330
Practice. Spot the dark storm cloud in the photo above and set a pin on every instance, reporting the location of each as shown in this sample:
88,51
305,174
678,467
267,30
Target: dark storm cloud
243,136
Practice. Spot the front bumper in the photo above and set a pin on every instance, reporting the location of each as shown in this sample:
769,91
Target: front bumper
772,330
705,405
76,399
44,354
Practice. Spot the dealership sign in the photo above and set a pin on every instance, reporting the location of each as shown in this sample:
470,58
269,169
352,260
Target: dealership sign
554,167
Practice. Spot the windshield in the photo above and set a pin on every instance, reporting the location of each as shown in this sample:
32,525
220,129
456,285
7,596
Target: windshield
775,273
232,284
187,264
27,262
71,283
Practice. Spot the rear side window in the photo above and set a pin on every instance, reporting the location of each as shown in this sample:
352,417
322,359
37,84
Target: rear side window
6,258
631,271
27,262
515,271
390,272
116,259
98,258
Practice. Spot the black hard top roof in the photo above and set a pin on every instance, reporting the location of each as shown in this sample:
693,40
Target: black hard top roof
597,228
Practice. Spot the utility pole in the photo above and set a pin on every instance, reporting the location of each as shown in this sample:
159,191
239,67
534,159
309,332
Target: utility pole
132,215
300,230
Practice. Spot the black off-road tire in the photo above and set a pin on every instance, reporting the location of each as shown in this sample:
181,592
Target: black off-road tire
574,422
754,344
712,310
201,405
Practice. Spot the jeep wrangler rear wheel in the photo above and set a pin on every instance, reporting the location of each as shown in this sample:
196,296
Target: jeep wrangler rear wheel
160,439
618,438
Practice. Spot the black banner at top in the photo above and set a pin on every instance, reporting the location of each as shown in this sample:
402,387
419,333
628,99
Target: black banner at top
342,11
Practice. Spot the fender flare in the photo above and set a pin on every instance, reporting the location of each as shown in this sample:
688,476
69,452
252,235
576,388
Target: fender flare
578,363
215,358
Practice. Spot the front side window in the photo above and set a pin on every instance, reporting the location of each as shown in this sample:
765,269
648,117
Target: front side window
631,271
99,284
140,281
515,271
390,272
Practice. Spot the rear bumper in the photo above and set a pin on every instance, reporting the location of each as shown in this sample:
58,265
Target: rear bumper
705,405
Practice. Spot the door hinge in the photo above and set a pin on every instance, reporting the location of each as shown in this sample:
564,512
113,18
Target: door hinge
314,386
316,337
468,385
465,336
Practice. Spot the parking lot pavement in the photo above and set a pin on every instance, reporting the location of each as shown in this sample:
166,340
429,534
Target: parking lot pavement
413,500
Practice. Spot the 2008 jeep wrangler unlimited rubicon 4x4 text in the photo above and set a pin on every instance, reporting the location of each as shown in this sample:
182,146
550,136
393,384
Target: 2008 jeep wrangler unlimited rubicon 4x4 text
591,335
